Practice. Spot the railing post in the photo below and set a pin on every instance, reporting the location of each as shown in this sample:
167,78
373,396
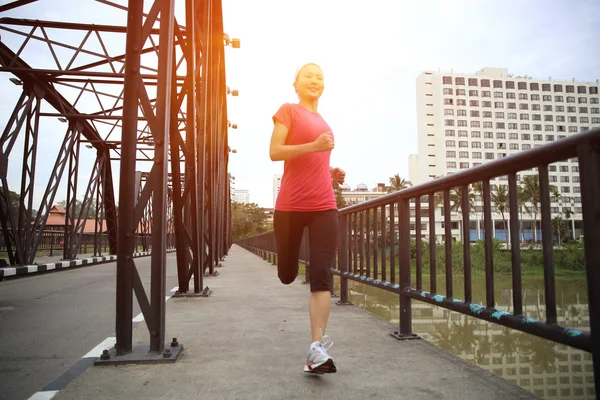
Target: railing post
343,260
589,172
404,266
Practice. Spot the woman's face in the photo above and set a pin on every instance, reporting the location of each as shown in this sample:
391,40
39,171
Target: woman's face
309,84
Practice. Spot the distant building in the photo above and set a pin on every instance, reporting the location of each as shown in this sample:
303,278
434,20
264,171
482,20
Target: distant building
241,196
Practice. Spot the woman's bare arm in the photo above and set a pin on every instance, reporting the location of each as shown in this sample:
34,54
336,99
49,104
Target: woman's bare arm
279,151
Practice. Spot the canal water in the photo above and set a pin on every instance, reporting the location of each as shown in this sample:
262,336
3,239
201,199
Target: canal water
545,368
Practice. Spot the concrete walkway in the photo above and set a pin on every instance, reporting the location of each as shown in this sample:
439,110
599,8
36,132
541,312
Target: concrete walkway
249,341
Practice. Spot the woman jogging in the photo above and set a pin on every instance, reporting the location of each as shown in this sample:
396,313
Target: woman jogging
303,140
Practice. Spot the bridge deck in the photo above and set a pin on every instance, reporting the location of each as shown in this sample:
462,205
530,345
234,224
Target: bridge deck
249,341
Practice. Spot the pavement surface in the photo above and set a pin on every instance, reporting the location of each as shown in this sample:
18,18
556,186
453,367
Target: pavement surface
49,322
249,340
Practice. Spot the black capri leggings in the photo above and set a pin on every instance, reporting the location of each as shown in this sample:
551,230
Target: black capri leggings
322,238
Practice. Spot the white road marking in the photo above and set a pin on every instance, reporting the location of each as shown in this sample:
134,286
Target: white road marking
105,345
47,395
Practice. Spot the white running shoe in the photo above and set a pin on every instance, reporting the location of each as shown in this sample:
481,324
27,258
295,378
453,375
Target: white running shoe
318,360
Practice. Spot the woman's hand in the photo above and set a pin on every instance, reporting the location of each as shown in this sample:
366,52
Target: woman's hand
338,175
323,142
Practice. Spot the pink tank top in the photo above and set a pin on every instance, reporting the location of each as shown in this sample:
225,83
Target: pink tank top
306,184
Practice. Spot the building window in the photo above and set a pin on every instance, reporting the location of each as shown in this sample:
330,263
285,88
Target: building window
512,115
594,110
564,179
535,107
447,80
564,168
536,117
582,100
512,126
460,81
488,145
487,114
558,88
461,102
571,109
558,99
486,93
547,98
464,165
570,89
510,84
524,117
525,127
560,128
523,96
500,125
584,120
475,134
450,143
512,106
448,102
449,122
485,83
514,146
513,136
488,124
595,120
523,106
594,100
461,113
546,87
475,113
500,135
460,92
570,99
583,110
489,156
448,91
450,164
534,86
548,108
473,93
463,133
537,137
560,118
448,111
549,138
476,156
510,95
522,85
450,154
474,103
535,97
560,108
488,135
593,90
526,146
463,154
450,132
565,189
463,143
581,89
475,124
472,81
475,145
498,84
498,95
501,146
548,118
499,115
573,129
486,104
499,104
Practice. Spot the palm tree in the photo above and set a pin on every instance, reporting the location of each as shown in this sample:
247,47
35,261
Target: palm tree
556,196
478,189
456,198
522,203
501,203
397,183
531,189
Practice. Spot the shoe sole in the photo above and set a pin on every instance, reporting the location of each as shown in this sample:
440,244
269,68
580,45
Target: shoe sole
328,367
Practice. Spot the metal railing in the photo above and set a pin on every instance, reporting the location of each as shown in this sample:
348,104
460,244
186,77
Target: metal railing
368,223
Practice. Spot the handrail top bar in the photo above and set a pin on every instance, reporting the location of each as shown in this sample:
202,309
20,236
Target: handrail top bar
543,155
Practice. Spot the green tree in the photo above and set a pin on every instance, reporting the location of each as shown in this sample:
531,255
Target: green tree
248,219
531,191
339,199
397,183
499,198
478,191
559,227
456,198
522,204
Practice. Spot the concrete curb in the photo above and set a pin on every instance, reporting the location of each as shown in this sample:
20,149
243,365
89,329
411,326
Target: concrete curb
33,269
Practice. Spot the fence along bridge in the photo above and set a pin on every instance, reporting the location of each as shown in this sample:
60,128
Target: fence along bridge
151,110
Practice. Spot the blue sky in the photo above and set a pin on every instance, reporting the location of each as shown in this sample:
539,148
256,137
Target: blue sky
371,57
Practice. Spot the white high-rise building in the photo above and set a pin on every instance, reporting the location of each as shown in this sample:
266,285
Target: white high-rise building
241,196
465,120
276,187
